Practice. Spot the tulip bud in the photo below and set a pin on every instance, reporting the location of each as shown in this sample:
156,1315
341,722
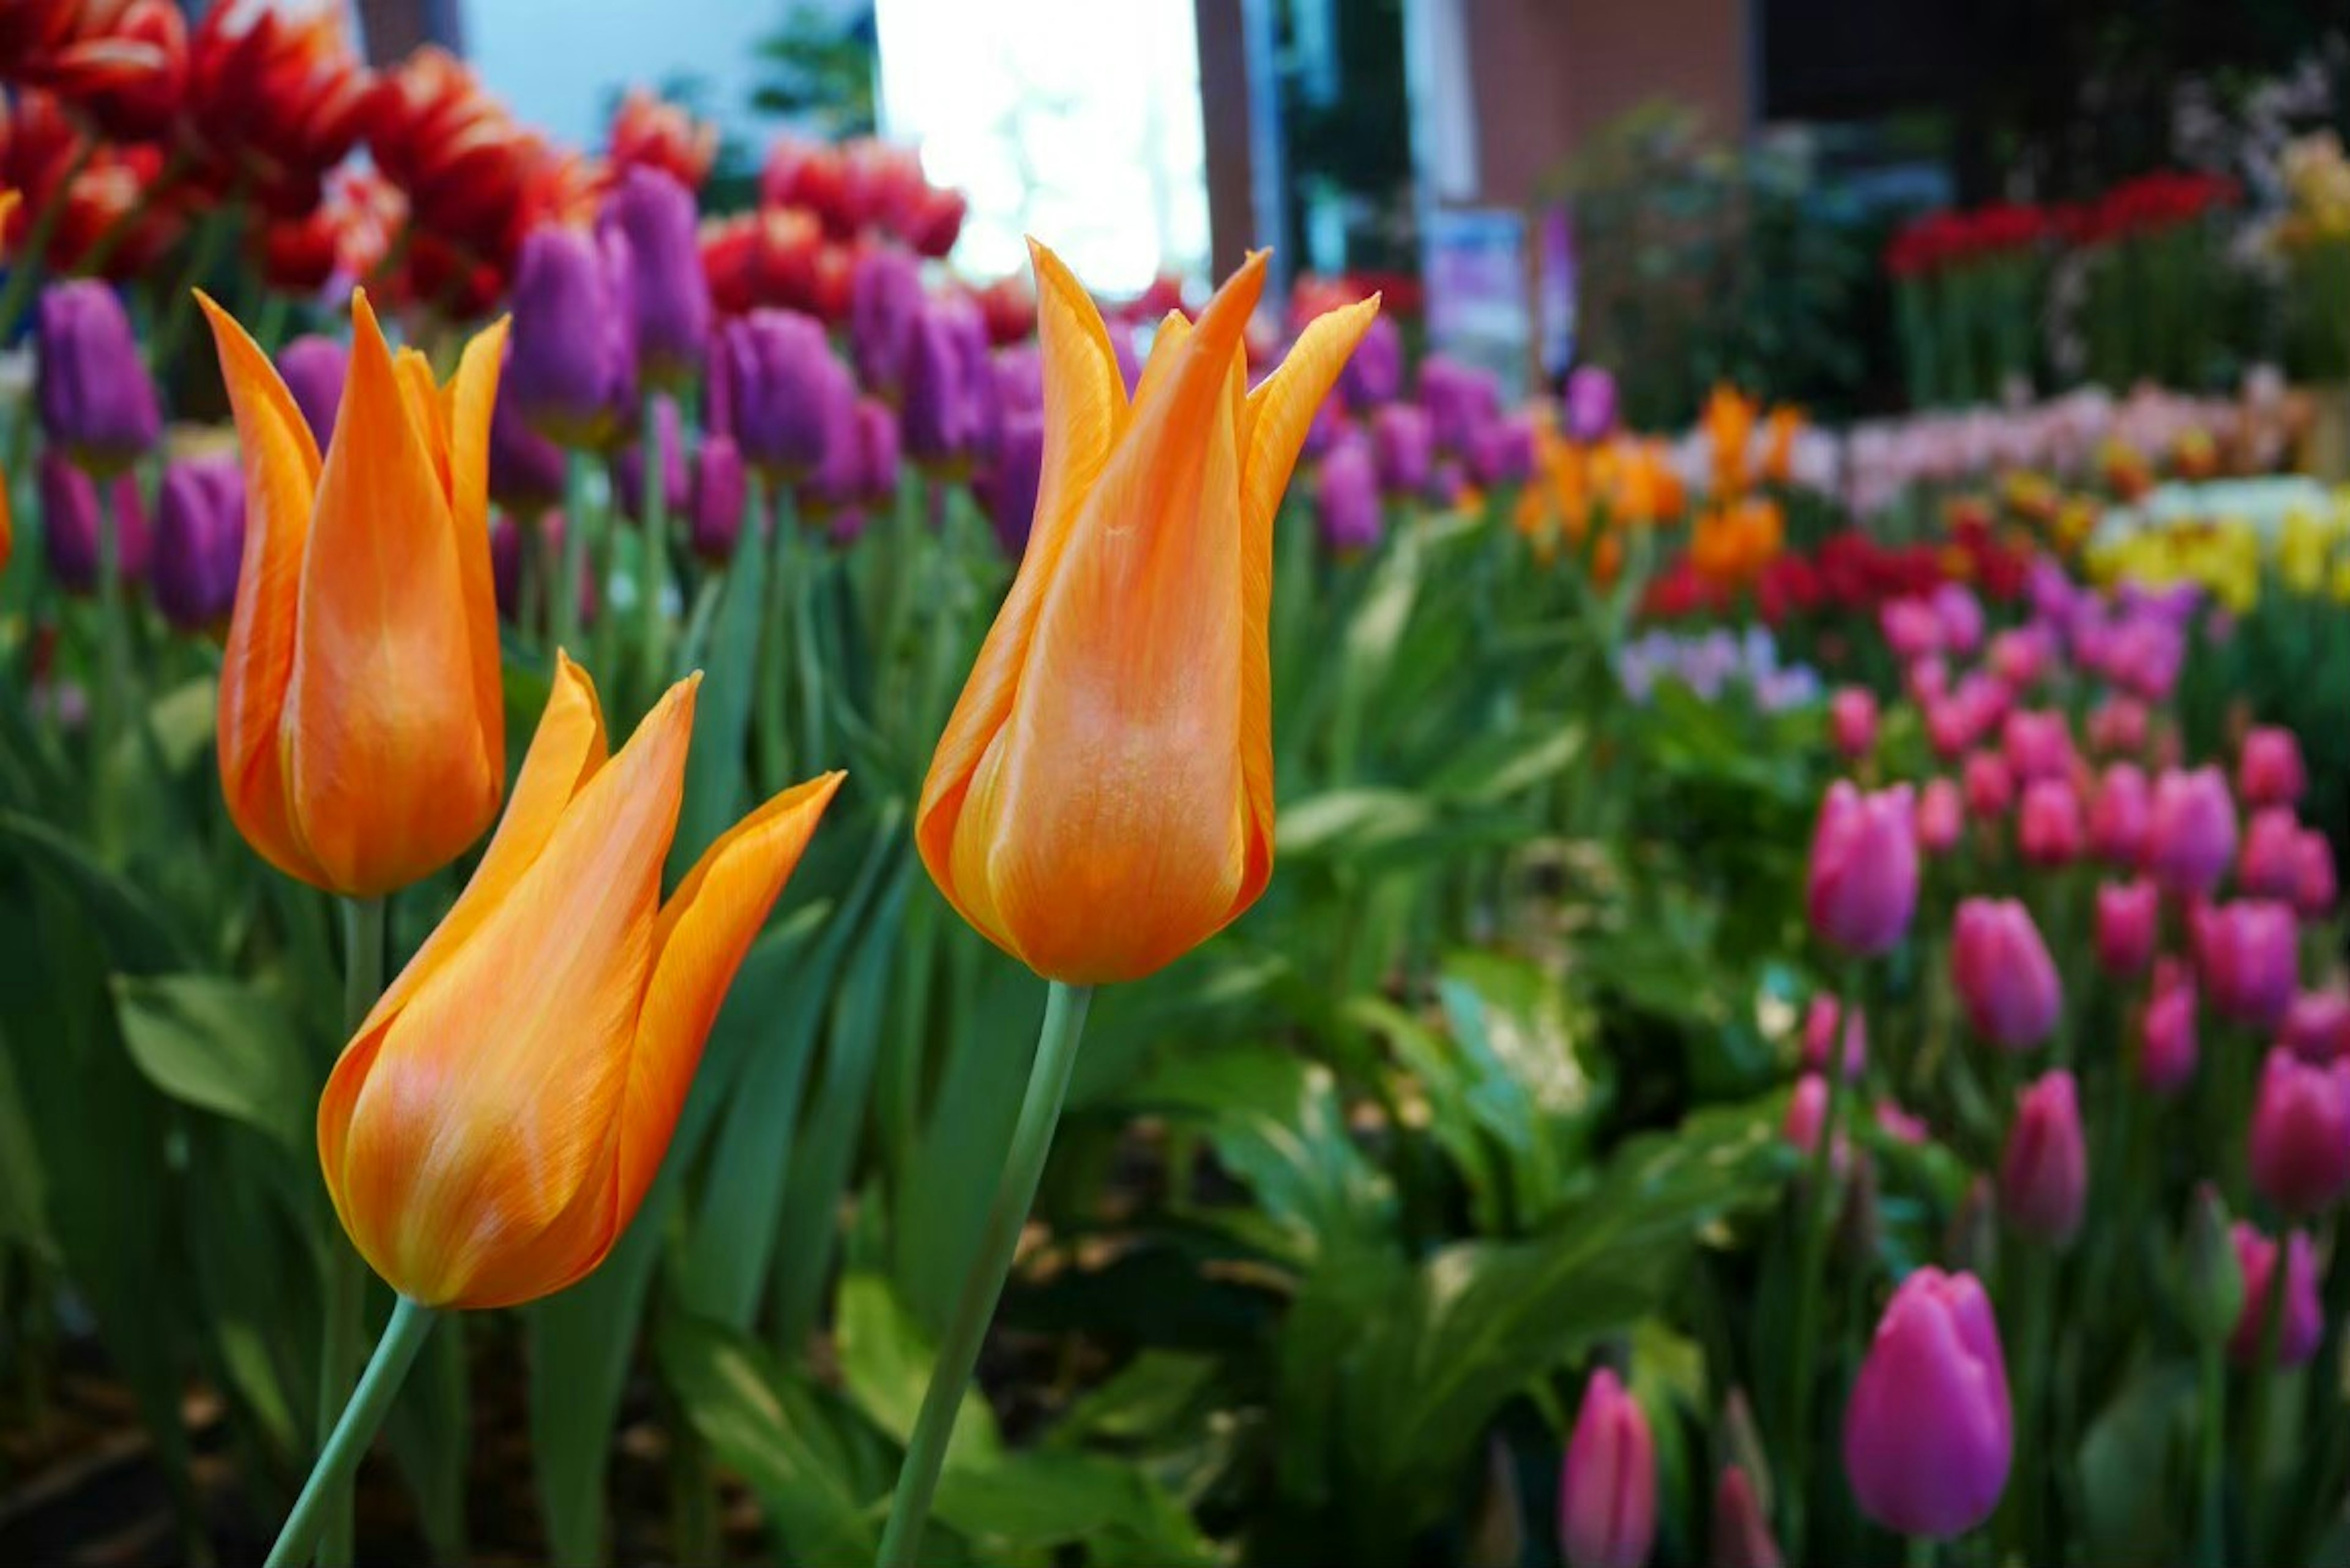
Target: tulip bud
779,379
314,369
97,403
2117,726
628,466
668,295
573,371
1929,1435
1910,627
1742,1534
2048,826
2301,1322
2038,745
2019,657
2166,1051
1927,678
1496,1537
1460,399
2128,921
198,541
718,496
1960,615
2301,1133
944,423
1346,499
2043,1173
70,524
1375,375
2004,978
1852,720
1007,489
884,300
2191,831
2270,771
2317,1025
526,468
1863,884
1990,785
1403,447
2270,864
2211,1280
1591,403
2313,889
1941,814
1607,1493
2118,815
1501,455
2247,953
1820,1033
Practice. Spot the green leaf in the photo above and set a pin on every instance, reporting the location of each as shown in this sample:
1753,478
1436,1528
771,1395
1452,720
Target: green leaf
715,788
24,1195
884,1363
2128,1486
1033,1501
221,1046
1494,768
138,939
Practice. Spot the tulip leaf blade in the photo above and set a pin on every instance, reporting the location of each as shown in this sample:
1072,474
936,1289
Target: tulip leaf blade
717,757
885,1365
221,1046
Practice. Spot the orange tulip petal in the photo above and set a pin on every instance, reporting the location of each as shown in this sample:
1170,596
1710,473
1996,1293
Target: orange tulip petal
470,396
281,479
389,774
484,1136
698,943
1166,345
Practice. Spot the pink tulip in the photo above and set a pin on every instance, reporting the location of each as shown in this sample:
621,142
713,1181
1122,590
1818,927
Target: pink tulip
1910,629
2317,1025
2247,955
1899,1125
2043,1173
2303,1322
1852,719
1820,1032
2118,727
2270,864
1741,1535
1960,615
2313,889
1941,814
2020,658
2038,745
1607,1494
1808,1113
2270,771
1927,678
1929,1435
2191,831
2048,825
1990,785
2128,920
2166,1050
2301,1133
1863,886
1950,726
2004,978
2119,814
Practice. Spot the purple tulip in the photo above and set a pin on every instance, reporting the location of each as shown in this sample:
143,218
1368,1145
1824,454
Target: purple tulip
1961,616
947,412
2301,1133
2043,1173
2005,980
1460,400
877,446
2301,1324
1929,1435
1007,487
628,466
1863,884
1591,406
1607,1491
2269,772
314,367
668,295
1402,448
70,524
717,497
2317,1025
198,541
1346,503
884,300
572,370
1019,377
1503,451
780,380
2128,921
2190,831
526,468
837,480
97,402
2247,954
1375,374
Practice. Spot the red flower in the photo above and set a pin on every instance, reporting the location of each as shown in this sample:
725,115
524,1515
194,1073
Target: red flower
125,66
650,132
274,101
1009,307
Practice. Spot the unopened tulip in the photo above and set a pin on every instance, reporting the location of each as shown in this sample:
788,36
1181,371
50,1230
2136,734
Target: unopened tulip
1375,375
949,385
492,1129
2167,1049
2211,1281
2191,831
2269,866
1460,400
1807,1114
884,300
1007,489
1960,615
1742,1534
2118,727
2301,1133
1404,449
2128,921
362,718
313,368
1502,453
573,376
1819,1033
526,468
1863,884
2005,980
1347,505
2301,1322
2038,745
1911,627
1101,801
2270,771
718,495
1852,721
1927,678
2019,657
95,398
2317,1025
2247,953
2043,1173
1941,814
668,295
2119,814
2313,889
1990,785
2048,824
198,541
70,524
779,379
1607,1493
1928,1434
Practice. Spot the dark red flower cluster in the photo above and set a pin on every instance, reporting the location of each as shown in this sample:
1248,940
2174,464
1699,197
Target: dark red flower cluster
649,132
1951,238
1849,572
820,206
2150,205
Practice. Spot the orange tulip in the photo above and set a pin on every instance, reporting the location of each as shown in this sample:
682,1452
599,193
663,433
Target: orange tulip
493,1127
362,727
1785,423
1101,802
1730,429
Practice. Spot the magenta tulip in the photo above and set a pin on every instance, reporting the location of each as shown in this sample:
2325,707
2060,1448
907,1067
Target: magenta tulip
2037,744
2301,1133
2004,978
2314,889
1863,886
2191,831
2128,921
1990,785
2118,727
1929,1435
1820,1036
1852,720
2048,825
2317,1025
2167,1049
1941,814
2119,814
2247,954
2043,1173
1742,1534
2301,1323
2269,866
1607,1493
2270,771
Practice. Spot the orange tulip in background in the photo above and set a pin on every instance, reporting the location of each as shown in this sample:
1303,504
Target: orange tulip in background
492,1129
1101,801
362,730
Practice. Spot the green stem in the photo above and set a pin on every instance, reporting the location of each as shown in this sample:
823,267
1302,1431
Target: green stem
1917,1552
563,613
338,1350
774,654
2268,1371
2212,1450
653,507
809,563
338,1459
24,276
1819,1224
112,701
1048,1083
180,310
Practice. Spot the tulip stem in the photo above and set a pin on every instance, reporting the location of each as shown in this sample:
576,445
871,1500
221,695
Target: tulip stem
652,506
983,1286
108,713
563,612
1818,1221
338,1459
1918,1551
2268,1372
346,1283
2213,1450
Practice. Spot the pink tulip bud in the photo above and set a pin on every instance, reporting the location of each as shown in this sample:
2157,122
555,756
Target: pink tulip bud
1808,1113
2048,826
1741,1535
1820,1032
2166,1051
2118,727
1910,629
2129,919
1899,1125
1960,615
2020,658
1863,886
2317,1025
2247,953
2301,1133
2313,889
2038,745
2191,832
2119,814
1927,678
2303,1323
1851,718
1950,726
2270,864
1941,814
2004,978
1929,1435
1607,1495
2044,1174
2270,771
1990,785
